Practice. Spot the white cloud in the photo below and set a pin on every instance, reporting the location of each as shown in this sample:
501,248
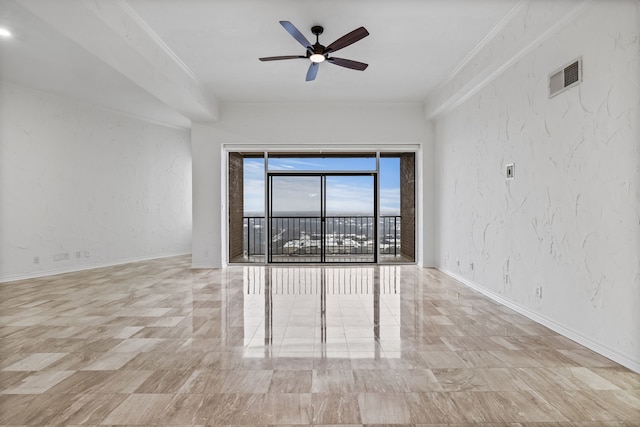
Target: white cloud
390,201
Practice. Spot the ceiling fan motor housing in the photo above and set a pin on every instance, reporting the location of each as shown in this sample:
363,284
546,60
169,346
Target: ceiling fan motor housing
318,49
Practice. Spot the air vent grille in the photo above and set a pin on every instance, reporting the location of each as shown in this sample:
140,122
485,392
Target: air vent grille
565,78
571,74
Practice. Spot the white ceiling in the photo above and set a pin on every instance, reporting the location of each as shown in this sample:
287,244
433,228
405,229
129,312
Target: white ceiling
413,46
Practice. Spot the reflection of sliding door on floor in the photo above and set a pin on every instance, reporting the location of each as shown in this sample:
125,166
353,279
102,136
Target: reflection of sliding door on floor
322,217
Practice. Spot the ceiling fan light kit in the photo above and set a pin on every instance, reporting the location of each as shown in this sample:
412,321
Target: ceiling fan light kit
317,53
317,57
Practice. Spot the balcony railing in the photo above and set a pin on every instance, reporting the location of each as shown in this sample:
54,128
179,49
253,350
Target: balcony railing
303,235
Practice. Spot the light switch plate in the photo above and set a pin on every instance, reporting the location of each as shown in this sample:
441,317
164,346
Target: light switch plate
510,171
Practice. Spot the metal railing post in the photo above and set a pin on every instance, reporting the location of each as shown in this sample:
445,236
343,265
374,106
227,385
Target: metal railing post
248,237
395,236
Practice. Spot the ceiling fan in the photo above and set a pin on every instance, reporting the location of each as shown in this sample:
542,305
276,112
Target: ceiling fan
318,53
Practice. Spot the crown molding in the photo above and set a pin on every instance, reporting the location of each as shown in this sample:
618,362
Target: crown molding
465,90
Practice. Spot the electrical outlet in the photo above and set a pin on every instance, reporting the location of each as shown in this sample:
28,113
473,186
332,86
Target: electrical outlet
36,260
87,254
471,266
458,262
539,291
506,279
78,254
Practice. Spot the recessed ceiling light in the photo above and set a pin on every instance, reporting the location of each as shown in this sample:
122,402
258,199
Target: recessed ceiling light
5,33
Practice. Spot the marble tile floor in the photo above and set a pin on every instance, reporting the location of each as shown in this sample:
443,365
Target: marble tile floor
156,343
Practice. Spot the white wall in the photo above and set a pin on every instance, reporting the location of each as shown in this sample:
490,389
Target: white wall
297,127
570,220
78,179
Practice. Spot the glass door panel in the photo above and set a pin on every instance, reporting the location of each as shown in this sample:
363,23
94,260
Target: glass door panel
350,211
295,218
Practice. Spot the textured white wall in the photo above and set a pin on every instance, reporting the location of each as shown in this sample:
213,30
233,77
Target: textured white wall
308,127
570,220
75,178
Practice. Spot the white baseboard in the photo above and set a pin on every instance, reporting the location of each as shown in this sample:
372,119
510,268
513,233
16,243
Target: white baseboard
598,347
76,268
206,267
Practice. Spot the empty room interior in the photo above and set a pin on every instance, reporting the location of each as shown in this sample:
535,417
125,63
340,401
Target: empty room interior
251,213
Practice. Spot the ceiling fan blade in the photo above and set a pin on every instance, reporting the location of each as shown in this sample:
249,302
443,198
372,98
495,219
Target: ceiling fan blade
291,29
278,58
347,39
313,71
348,63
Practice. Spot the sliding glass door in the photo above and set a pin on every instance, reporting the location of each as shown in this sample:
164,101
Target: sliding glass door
350,218
339,207
322,217
295,218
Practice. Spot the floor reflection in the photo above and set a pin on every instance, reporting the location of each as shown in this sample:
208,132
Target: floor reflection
159,343
320,311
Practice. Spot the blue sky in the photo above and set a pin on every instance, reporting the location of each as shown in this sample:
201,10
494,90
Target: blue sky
345,194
